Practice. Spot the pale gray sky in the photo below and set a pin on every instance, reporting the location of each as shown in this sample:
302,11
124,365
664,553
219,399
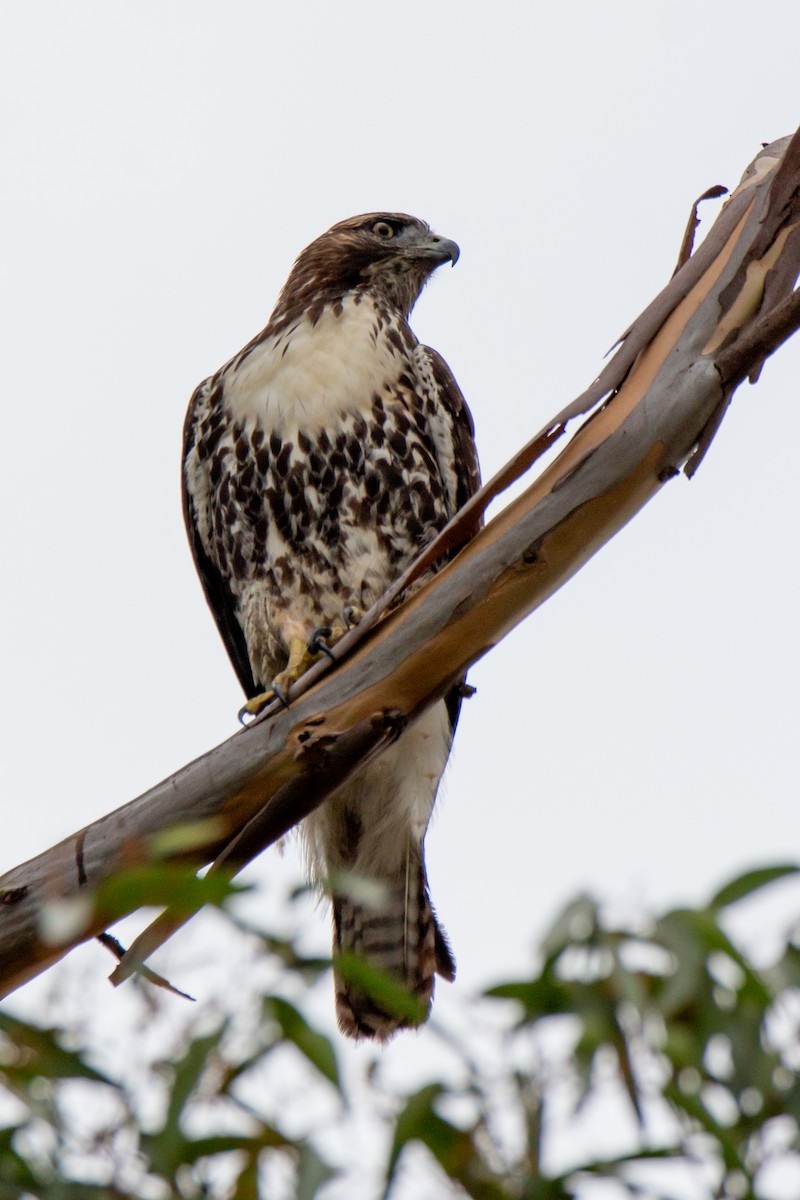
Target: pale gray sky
163,166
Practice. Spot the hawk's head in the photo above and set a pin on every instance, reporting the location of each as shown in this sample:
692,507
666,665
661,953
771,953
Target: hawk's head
389,253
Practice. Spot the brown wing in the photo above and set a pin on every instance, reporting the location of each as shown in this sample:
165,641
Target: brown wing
464,448
468,471
217,592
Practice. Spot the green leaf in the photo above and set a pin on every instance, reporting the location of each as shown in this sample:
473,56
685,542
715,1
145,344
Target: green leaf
453,1148
188,1071
247,1183
684,1046
267,1137
539,1188
786,972
16,1175
381,988
688,982
692,1104
575,924
313,1172
418,1122
166,1149
66,1189
750,882
613,1168
317,1048
542,997
163,884
187,836
310,967
35,1051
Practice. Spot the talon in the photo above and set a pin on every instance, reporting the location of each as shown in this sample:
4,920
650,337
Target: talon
299,661
323,639
317,643
255,705
352,615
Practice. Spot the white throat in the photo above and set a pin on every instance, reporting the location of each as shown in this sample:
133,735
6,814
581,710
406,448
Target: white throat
308,375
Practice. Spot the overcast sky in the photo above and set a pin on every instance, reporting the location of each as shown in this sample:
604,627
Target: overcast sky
163,165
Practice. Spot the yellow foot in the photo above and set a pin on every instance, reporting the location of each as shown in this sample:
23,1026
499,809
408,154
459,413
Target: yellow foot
256,705
300,659
301,656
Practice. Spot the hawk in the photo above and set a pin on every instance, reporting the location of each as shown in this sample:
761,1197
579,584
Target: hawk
317,464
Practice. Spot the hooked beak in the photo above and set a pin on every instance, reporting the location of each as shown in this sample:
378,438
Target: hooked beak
442,249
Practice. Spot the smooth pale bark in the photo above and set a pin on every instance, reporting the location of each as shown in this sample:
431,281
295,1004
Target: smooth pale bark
652,411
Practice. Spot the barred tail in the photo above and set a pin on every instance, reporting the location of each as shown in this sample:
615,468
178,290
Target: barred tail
397,933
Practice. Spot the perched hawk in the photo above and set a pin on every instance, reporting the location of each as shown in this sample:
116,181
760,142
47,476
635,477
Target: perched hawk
317,464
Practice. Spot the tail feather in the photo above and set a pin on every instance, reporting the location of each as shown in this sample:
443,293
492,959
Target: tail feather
400,936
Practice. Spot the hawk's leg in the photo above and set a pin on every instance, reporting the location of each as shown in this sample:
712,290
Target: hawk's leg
300,659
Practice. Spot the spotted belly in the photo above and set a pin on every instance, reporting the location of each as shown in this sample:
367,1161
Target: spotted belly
306,522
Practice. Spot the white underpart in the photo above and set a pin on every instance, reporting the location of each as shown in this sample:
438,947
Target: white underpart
394,797
308,375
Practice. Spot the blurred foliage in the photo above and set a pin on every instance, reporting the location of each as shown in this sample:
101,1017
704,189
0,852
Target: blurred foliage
665,1028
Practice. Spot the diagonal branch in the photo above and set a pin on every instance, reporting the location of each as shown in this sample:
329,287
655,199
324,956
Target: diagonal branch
652,410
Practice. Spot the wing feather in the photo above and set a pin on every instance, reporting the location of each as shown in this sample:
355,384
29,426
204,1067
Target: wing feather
217,592
465,451
468,472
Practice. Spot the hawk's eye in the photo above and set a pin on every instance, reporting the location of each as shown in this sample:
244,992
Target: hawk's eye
383,229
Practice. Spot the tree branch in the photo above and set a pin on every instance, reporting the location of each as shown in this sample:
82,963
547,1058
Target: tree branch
656,404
